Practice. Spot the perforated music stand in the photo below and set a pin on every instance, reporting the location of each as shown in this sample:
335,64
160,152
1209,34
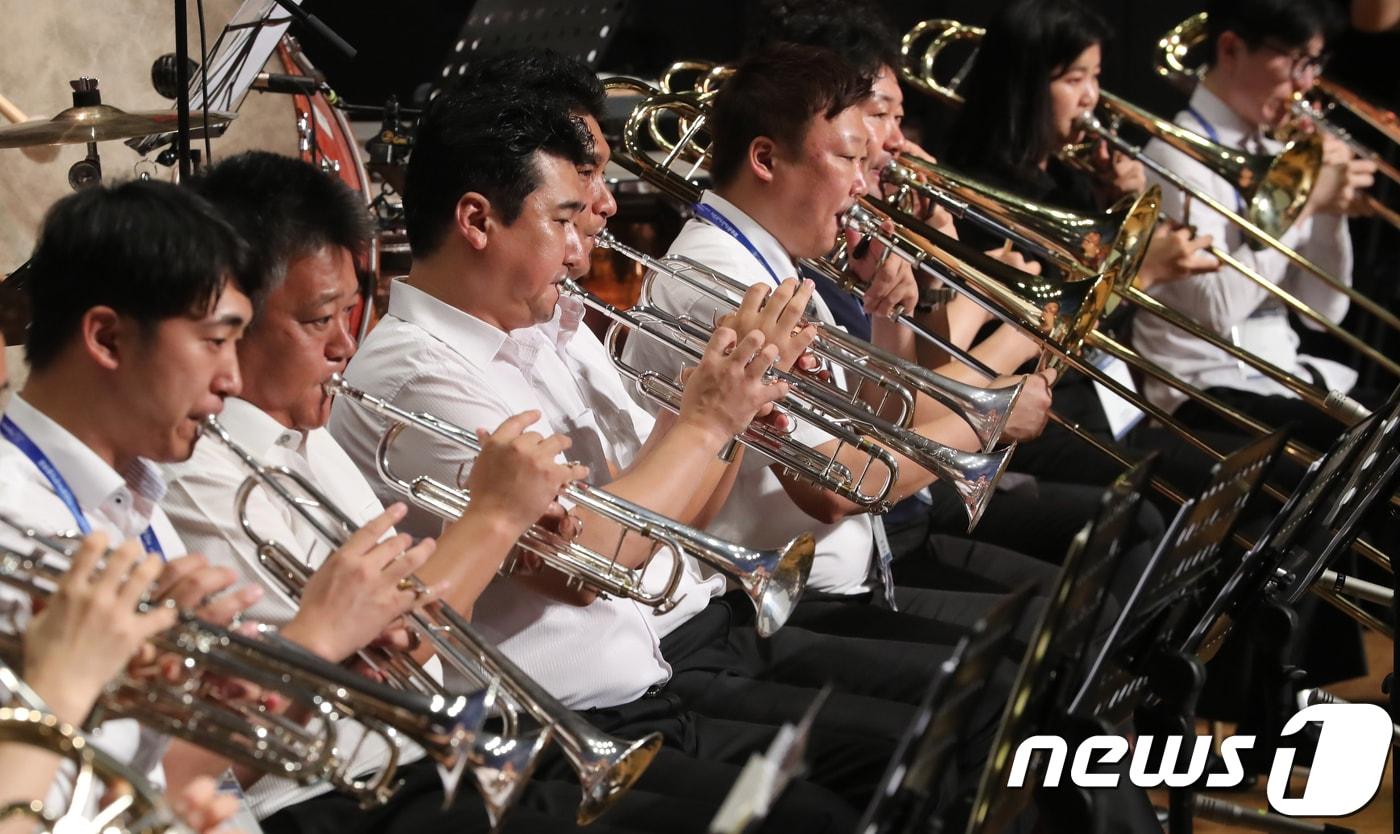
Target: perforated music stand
1066,628
1173,584
578,28
908,791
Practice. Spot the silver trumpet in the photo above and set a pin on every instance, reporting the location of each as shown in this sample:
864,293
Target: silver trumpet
773,579
245,732
985,410
131,804
835,412
606,766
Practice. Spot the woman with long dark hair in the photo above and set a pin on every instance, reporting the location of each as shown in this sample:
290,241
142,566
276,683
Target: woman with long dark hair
1036,70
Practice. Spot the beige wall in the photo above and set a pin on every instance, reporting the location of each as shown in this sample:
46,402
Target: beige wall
49,42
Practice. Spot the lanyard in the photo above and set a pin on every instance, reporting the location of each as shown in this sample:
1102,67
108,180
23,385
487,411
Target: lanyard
1214,137
714,218
15,435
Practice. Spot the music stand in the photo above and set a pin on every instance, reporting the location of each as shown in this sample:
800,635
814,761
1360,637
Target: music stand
908,791
1066,628
580,30
1140,658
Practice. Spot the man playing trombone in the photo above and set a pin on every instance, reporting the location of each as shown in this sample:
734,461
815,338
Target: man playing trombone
1260,52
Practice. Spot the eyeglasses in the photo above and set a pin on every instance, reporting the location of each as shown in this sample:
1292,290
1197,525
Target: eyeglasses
1303,63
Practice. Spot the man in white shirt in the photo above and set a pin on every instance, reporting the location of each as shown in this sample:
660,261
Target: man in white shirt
479,330
138,294
307,228
1261,53
777,199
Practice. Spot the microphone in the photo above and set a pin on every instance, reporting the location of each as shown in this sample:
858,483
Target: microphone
276,82
164,77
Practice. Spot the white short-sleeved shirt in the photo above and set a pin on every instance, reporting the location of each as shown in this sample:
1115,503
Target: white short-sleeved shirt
426,355
1226,302
121,504
200,503
759,512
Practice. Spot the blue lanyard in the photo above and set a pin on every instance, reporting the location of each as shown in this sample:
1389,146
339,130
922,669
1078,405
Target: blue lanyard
1214,137
15,435
714,218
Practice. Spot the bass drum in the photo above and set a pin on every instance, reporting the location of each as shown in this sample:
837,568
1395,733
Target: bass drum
324,139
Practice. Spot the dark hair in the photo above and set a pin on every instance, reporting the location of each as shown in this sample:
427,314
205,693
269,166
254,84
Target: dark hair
1288,23
483,140
1006,125
858,31
149,250
776,92
540,71
286,209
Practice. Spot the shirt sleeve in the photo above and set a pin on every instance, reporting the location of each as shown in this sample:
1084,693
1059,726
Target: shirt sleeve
1224,298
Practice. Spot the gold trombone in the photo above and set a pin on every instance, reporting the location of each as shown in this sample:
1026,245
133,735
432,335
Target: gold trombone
266,741
773,579
1074,242
1274,187
606,766
1175,63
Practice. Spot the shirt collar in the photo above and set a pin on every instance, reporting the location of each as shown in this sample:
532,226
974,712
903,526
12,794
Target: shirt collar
256,430
768,246
92,480
474,339
1228,125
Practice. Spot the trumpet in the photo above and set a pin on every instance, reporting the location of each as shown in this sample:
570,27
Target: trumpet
606,766
972,474
772,579
132,803
267,741
984,410
1275,188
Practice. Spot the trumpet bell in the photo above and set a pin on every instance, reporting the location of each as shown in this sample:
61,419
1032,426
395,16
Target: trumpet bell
777,582
612,773
501,767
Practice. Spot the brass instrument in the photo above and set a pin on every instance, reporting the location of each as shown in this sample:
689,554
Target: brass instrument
972,474
773,579
133,804
1175,63
606,766
1275,188
250,734
1074,242
984,410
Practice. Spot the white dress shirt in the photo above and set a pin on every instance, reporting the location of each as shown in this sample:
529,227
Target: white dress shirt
200,502
426,355
1225,301
122,505
759,512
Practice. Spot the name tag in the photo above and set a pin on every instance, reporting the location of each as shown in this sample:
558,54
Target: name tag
1122,415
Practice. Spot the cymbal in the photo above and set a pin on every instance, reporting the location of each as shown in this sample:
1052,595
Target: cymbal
102,122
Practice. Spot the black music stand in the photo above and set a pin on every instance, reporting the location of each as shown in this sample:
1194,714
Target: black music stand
1068,626
1141,662
582,30
908,792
